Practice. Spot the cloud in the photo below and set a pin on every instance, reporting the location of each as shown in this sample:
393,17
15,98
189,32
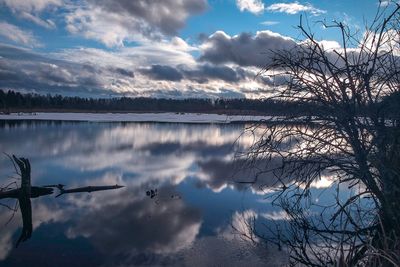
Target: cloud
253,6
160,72
31,9
111,29
275,80
218,174
30,5
294,8
329,45
17,35
29,71
256,50
269,23
123,72
200,73
243,49
384,3
168,150
48,23
125,224
276,215
207,71
94,72
166,68
199,148
390,41
130,225
166,52
43,213
242,223
116,22
227,66
166,15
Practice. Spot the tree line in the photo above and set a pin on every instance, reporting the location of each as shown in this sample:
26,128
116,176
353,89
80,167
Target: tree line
12,101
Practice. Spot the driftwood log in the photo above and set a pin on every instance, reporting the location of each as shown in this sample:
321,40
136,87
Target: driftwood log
36,191
26,191
87,189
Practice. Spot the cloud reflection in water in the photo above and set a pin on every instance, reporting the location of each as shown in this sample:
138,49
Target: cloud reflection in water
174,158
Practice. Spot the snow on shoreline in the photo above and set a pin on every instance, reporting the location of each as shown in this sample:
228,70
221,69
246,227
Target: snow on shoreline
134,117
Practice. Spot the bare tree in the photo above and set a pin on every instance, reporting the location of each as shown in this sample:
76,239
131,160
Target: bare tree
352,136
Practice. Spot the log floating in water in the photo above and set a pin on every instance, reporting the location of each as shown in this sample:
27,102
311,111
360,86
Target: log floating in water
25,192
86,189
36,191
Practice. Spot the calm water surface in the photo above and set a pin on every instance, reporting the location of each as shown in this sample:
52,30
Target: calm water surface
188,223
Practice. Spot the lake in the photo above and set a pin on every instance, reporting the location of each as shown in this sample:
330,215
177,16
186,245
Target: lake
184,202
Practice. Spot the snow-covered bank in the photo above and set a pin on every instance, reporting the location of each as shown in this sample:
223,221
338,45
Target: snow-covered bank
134,117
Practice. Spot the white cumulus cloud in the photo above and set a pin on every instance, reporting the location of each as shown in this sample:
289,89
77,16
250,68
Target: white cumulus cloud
253,6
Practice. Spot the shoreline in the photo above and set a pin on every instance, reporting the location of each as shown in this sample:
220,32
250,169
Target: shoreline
134,117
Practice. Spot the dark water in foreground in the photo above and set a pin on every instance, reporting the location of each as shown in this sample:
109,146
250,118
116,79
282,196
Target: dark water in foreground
188,222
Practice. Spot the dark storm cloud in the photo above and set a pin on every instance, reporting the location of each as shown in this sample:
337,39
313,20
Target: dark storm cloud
243,49
161,72
207,71
200,74
168,16
123,72
6,75
18,53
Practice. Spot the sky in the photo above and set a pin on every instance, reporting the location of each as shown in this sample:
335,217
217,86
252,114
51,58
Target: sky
159,48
